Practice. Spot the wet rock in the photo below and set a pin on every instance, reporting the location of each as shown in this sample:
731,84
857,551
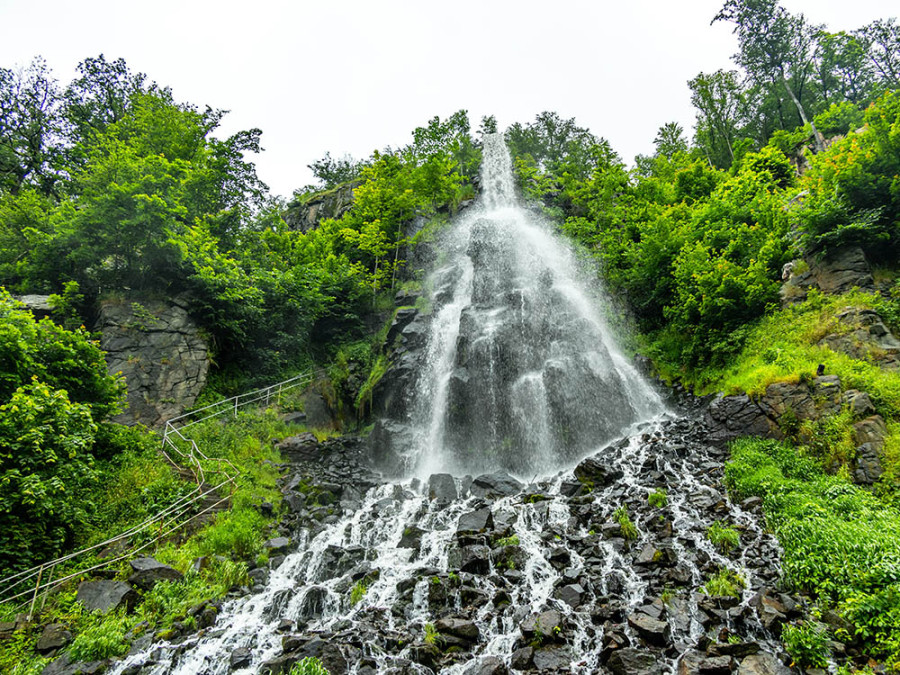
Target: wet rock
278,546
464,629
522,658
597,471
148,572
105,596
487,665
442,487
425,655
570,594
736,649
655,632
412,537
475,522
65,666
631,661
543,626
842,269
762,664
552,658
240,658
55,636
475,559
495,485
328,652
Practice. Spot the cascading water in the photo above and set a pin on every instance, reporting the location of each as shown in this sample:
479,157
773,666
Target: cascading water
520,370
513,370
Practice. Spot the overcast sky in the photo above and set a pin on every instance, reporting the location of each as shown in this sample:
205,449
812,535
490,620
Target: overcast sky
353,76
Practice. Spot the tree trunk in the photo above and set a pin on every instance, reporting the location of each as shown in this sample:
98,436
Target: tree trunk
820,140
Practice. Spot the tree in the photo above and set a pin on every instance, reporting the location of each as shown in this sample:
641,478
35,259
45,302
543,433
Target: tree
331,172
843,69
882,41
776,48
670,140
30,125
719,102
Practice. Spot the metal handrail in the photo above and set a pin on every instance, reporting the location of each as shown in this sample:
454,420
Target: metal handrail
193,459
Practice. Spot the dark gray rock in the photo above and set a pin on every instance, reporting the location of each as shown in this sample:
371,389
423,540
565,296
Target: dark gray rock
864,336
54,636
240,658
442,487
655,632
411,538
543,626
495,485
571,594
475,559
65,666
148,572
104,595
762,664
868,469
475,522
487,665
463,629
842,269
858,402
277,545
305,214
522,658
631,661
552,658
160,351
597,472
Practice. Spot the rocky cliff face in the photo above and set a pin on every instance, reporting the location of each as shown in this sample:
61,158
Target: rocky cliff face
331,204
159,350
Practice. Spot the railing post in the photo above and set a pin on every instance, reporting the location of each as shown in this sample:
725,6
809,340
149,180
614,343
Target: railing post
235,406
37,587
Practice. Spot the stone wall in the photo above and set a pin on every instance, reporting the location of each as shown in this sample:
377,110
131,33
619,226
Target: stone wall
159,350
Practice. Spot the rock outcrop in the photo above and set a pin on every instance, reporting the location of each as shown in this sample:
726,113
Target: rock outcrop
836,272
864,336
306,216
159,350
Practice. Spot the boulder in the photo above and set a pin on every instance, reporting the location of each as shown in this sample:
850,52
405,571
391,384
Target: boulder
655,632
868,338
148,572
552,659
475,522
486,665
495,485
475,559
277,546
411,538
55,636
64,665
240,658
542,626
762,664
442,487
597,472
104,595
631,661
464,629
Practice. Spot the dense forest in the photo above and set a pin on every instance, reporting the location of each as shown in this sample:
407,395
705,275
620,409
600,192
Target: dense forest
112,188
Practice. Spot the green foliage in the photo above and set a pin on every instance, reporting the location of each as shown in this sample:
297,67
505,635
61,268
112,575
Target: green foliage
840,542
103,640
830,439
723,537
308,666
807,643
658,498
358,592
512,540
725,582
629,531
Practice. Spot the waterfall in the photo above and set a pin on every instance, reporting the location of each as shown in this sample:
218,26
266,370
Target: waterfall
521,372
512,371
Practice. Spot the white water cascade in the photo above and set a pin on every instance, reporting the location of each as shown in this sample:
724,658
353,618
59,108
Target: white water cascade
514,372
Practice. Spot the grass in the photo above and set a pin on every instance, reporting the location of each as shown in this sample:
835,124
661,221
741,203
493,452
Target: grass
629,531
725,582
658,499
723,537
783,347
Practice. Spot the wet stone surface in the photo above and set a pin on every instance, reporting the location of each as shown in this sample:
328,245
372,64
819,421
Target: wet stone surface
506,577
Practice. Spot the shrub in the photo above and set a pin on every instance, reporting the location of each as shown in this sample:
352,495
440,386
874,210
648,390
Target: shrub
308,666
102,640
807,643
658,498
723,537
725,582
629,531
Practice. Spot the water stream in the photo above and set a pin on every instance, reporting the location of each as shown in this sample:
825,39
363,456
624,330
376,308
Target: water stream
517,373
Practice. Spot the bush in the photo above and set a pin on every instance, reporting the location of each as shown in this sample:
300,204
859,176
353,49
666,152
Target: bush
308,666
723,537
102,641
725,582
807,643
658,498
